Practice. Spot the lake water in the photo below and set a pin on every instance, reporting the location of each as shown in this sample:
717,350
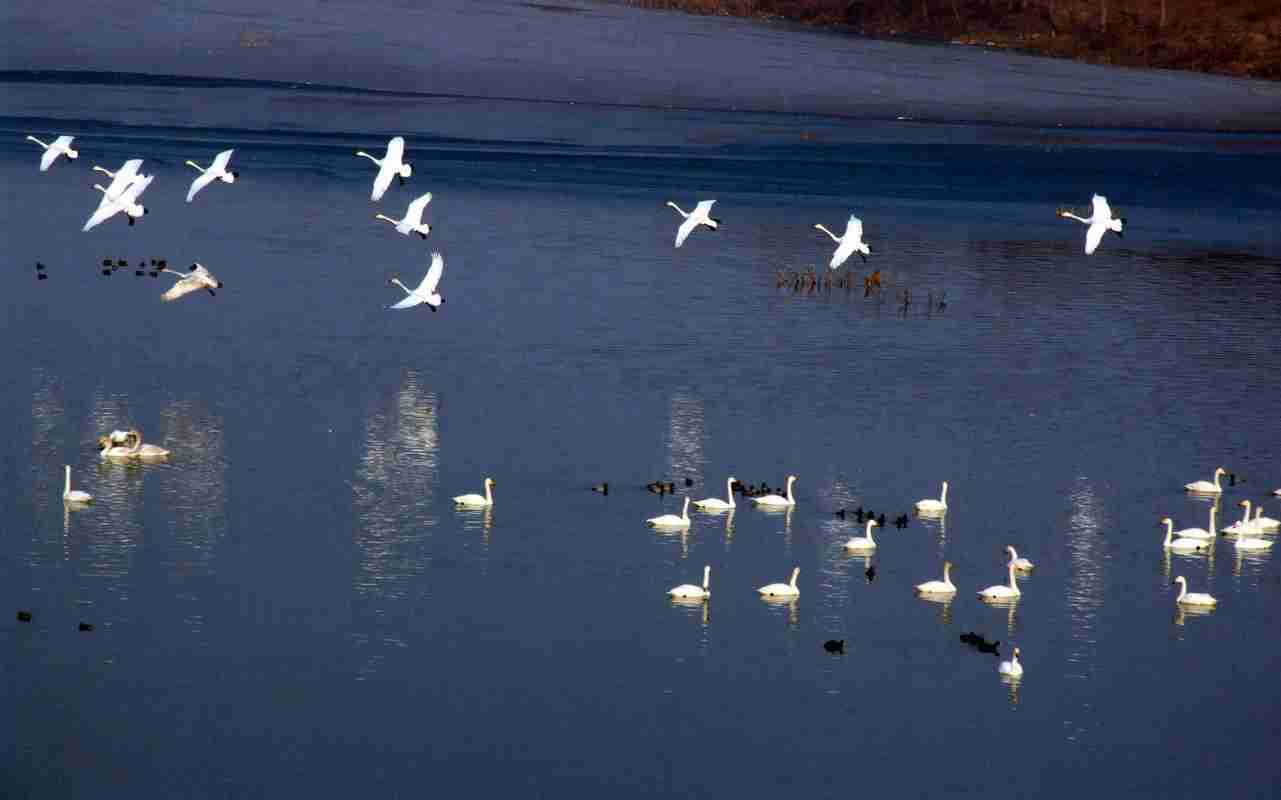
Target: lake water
292,605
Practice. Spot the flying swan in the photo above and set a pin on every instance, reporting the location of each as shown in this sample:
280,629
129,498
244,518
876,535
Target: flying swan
1100,222
389,166
701,215
216,171
852,242
412,222
476,500
121,194
782,589
688,591
426,291
715,503
59,146
194,280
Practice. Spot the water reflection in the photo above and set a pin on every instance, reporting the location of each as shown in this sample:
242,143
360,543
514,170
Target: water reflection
778,606
1012,683
786,513
939,526
1183,613
1010,604
685,436
944,602
1088,561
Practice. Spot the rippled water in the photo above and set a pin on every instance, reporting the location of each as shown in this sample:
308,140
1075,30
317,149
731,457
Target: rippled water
292,604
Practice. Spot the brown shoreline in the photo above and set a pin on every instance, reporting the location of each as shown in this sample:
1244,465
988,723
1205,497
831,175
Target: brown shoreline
1241,38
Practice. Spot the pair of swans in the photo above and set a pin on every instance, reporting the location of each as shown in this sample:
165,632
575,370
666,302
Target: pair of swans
1187,598
1100,221
58,147
1260,523
128,445
392,165
217,171
778,501
74,496
701,215
1183,544
425,292
932,506
1207,487
848,244
477,500
121,195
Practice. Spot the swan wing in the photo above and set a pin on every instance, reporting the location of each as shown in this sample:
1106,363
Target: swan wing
386,171
219,165
202,180
854,228
683,232
1093,236
182,288
51,153
704,209
396,149
106,209
130,195
124,176
432,279
409,302
1101,209
414,214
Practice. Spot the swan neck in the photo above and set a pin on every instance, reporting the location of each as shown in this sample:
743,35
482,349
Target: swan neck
835,238
1013,585
679,210
795,572
729,491
870,525
489,497
197,167
943,496
685,509
1183,589
1169,532
707,577
66,485
790,481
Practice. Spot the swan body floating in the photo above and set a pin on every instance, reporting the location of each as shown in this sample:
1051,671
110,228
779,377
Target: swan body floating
1012,667
782,589
195,279
932,506
1243,525
1100,221
58,147
944,586
132,447
1264,524
688,591
412,222
1182,545
848,244
217,171
1201,533
1206,487
1276,492
715,503
487,499
389,166
671,520
865,542
425,292
121,195
1244,542
777,501
70,495
1019,563
701,215
1002,591
1191,598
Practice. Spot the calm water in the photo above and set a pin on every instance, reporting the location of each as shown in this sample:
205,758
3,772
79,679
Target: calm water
292,606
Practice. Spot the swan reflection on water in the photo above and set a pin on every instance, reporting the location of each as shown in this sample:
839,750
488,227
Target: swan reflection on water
777,604
944,602
1183,612
1010,604
1012,683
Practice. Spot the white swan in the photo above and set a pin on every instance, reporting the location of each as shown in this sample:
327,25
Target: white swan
944,586
715,503
848,244
1201,533
476,500
1191,598
865,542
1019,563
688,591
217,171
1264,524
1012,667
701,215
1182,545
1001,591
412,222
1100,221
425,292
389,166
70,495
1205,487
932,506
782,589
1243,525
59,146
1276,492
671,520
132,447
195,279
775,501
121,195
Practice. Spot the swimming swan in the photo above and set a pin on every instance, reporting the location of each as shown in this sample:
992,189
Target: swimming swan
389,166
782,589
70,495
775,501
217,171
1100,221
1012,667
59,146
1264,524
1205,487
671,520
1243,525
931,506
701,215
1193,598
425,292
1201,533
848,244
132,448
1182,545
688,591
944,586
865,542
1001,591
1251,543
476,500
1019,563
715,503
412,222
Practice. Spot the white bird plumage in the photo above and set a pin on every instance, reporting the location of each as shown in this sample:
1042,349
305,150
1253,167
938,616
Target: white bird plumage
478,500
1182,545
1012,667
1002,591
701,215
1206,487
864,542
715,503
1191,598
932,506
782,589
426,291
412,222
1201,533
194,280
1243,525
671,520
1019,563
74,495
688,591
390,166
133,448
944,586
217,171
58,147
777,501
127,184
848,244
1264,524
1100,222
